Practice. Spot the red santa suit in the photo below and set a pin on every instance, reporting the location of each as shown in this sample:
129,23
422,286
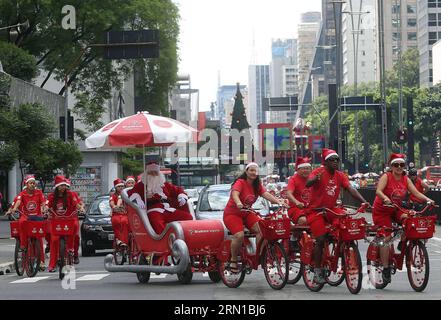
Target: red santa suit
165,206
297,184
120,221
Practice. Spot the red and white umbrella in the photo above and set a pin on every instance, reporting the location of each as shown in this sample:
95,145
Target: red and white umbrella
142,129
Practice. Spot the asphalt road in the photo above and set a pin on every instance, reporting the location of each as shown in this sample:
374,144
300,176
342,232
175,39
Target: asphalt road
93,282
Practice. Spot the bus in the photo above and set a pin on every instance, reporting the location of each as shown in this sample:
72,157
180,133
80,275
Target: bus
431,175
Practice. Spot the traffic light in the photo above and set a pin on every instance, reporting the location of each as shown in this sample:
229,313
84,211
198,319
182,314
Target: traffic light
401,136
70,127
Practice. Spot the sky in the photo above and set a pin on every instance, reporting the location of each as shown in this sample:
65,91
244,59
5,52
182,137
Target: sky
218,36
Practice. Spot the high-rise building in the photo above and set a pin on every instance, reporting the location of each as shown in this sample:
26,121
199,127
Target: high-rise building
184,101
258,88
359,42
400,29
311,17
283,75
429,32
225,95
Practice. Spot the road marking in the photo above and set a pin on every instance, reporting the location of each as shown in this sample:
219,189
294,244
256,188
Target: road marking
30,280
158,276
93,277
437,239
205,274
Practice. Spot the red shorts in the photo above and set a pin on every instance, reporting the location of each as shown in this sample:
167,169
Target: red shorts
295,213
384,218
318,221
235,221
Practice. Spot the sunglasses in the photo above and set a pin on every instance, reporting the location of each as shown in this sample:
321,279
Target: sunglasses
396,165
334,159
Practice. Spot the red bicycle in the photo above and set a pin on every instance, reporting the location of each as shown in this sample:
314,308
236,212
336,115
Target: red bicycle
415,229
64,228
270,253
341,258
28,260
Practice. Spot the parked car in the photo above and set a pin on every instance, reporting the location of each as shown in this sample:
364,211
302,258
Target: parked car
213,200
193,195
96,229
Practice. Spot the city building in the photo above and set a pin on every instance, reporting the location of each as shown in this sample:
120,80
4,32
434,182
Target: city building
283,75
225,95
184,101
359,42
436,63
400,29
429,32
258,88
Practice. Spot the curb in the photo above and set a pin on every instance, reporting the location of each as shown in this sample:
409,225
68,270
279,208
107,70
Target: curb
6,268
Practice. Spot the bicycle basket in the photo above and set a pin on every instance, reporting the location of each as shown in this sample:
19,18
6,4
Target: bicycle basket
63,227
352,229
36,229
15,229
275,229
419,227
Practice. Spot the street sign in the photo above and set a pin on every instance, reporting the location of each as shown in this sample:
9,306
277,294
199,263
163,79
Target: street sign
358,103
140,44
280,104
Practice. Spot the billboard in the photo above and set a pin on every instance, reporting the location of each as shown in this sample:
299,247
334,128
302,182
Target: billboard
276,136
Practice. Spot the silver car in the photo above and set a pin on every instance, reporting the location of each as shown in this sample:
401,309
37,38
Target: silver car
213,200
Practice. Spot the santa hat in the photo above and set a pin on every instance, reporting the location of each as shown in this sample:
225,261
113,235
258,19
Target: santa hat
327,153
130,178
252,164
303,162
60,180
68,183
397,157
118,183
152,166
28,178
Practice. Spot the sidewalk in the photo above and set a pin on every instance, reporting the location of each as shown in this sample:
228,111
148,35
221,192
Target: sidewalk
7,247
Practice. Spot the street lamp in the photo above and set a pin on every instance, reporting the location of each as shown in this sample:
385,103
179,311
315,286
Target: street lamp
19,28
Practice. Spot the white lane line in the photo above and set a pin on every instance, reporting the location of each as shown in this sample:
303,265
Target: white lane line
29,280
93,277
437,239
158,276
205,274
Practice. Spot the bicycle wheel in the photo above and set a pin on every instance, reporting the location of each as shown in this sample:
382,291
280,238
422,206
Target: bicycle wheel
295,267
143,277
308,279
214,276
62,256
231,279
335,278
353,268
417,264
375,273
32,257
19,259
275,265
186,276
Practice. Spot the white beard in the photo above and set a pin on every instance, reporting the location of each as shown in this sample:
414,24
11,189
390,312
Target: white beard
154,184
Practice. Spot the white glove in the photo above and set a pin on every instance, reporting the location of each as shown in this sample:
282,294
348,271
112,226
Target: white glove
182,199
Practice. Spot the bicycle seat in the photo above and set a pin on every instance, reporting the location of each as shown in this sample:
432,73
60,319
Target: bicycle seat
35,218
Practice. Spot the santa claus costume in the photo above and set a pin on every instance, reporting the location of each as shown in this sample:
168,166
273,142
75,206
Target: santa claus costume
297,184
120,222
165,202
63,206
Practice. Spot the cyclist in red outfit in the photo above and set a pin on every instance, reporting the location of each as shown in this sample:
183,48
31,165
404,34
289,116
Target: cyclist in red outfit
244,192
120,222
392,188
420,185
32,205
81,210
298,195
63,205
326,183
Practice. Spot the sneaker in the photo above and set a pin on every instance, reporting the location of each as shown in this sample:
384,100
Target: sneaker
318,276
76,260
118,242
51,270
42,268
386,275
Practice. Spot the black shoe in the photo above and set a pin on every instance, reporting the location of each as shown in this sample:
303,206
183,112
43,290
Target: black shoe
319,276
386,275
76,260
47,250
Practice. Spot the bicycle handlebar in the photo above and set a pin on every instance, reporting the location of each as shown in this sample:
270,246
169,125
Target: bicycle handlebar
410,211
361,209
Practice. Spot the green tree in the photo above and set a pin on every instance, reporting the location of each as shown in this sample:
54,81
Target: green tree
410,70
56,49
50,156
17,62
239,117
